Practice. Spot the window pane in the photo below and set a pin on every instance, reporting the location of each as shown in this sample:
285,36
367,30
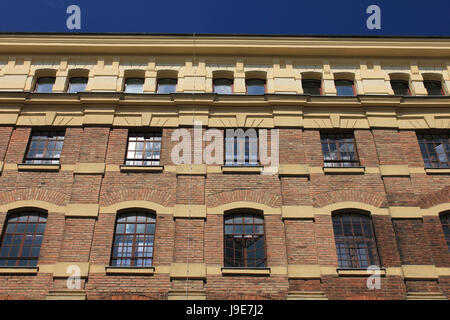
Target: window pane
223,86
45,85
434,88
400,88
167,85
256,86
344,88
312,87
77,85
134,85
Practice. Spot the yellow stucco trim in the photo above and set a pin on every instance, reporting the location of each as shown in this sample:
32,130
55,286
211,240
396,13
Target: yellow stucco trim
1,166
244,205
191,169
394,170
360,272
293,170
89,168
425,296
327,210
5,271
124,168
192,211
134,271
297,212
243,169
142,204
435,210
38,167
437,171
405,212
50,207
186,295
82,210
423,272
304,271
246,271
345,170
188,270
66,269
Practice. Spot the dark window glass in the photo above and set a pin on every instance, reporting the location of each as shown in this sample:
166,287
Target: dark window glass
241,150
134,85
435,149
144,149
22,239
312,87
445,220
401,88
133,240
77,85
45,147
223,86
244,240
355,241
44,85
344,87
339,150
256,86
167,85
434,88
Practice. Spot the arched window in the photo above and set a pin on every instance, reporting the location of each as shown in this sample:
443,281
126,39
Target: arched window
133,240
445,220
355,241
22,239
244,240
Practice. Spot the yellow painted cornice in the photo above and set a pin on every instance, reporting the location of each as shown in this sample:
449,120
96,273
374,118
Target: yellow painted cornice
223,45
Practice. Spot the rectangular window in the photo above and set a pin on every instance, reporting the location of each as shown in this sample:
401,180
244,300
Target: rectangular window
77,85
223,86
435,149
312,87
144,149
256,86
167,85
434,88
345,87
400,87
241,148
44,85
339,150
134,85
45,147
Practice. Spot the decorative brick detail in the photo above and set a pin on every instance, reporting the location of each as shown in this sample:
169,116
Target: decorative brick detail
375,199
434,198
266,198
153,195
41,194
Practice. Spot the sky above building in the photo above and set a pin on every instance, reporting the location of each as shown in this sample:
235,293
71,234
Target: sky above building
295,17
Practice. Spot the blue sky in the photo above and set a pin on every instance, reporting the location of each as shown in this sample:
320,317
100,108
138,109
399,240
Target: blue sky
314,17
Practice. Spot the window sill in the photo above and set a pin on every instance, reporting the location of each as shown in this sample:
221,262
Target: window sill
38,167
19,270
359,272
130,270
128,168
245,271
242,169
437,170
344,170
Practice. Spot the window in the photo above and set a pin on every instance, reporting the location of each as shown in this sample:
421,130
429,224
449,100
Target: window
134,85
345,87
312,87
339,150
244,240
400,87
256,86
44,85
77,84
355,241
133,240
167,85
435,149
241,148
144,149
45,147
445,220
223,86
22,239
434,88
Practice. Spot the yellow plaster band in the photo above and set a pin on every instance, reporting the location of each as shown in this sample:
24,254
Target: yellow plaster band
4,271
246,271
304,271
297,212
243,169
38,167
141,204
134,271
82,210
293,170
438,171
394,170
192,211
436,210
244,205
50,207
343,170
194,169
327,210
405,212
67,269
191,270
422,272
89,168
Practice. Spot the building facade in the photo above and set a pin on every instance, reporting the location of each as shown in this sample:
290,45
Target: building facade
93,205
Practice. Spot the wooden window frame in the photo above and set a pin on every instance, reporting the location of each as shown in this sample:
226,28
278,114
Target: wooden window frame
250,79
353,87
314,80
445,223
425,149
153,134
43,132
326,135
235,163
232,84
